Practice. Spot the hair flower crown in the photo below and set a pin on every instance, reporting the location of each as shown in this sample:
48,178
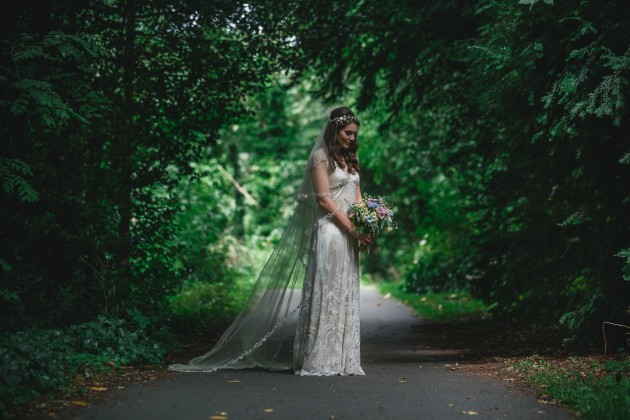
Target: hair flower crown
343,120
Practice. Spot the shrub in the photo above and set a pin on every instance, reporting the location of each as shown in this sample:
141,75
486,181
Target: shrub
36,362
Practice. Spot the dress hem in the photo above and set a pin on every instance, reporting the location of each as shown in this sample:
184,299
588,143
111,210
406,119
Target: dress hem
302,373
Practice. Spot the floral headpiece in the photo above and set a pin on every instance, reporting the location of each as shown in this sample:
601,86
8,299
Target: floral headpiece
343,120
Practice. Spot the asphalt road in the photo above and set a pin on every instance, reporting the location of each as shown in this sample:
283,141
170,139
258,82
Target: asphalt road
404,380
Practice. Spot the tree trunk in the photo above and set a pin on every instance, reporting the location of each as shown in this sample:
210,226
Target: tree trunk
239,213
127,137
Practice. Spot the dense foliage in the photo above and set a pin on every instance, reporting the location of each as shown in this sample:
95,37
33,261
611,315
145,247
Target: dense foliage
506,129
104,107
40,361
111,198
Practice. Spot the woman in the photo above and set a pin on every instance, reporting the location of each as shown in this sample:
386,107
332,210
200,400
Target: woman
319,252
327,340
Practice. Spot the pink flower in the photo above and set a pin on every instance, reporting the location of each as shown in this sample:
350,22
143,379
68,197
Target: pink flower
382,212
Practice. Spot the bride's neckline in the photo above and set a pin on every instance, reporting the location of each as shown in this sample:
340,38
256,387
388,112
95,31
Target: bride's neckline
344,170
344,167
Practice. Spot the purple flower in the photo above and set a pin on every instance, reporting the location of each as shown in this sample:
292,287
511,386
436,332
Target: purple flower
382,212
372,204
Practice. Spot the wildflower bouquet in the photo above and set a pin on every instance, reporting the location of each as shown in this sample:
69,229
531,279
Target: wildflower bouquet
370,217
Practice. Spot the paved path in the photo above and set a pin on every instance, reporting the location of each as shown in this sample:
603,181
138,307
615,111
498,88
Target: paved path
403,381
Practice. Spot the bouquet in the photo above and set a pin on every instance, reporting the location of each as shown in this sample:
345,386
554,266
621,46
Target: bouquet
371,217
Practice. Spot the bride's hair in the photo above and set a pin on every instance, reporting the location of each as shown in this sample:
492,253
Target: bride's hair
339,118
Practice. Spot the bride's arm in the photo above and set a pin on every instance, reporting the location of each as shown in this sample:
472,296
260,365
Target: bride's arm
359,198
319,174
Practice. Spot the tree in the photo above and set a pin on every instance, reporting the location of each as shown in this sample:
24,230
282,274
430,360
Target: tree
522,111
100,101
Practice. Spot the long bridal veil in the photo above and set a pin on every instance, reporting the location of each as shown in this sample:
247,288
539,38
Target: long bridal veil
262,333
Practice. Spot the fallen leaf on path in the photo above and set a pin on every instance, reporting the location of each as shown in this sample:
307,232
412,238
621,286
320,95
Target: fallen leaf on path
450,404
97,388
387,296
470,413
223,413
81,403
234,381
218,418
268,410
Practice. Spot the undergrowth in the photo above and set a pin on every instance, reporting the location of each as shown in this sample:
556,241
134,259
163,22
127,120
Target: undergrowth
37,362
593,387
437,306
198,305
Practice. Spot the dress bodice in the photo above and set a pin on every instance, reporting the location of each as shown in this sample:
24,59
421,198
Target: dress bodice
343,187
341,184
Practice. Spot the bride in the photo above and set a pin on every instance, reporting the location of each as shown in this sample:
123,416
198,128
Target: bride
303,311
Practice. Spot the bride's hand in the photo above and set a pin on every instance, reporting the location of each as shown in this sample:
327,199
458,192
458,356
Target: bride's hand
365,239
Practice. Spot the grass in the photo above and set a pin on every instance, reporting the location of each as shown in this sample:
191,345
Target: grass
594,387
199,305
439,306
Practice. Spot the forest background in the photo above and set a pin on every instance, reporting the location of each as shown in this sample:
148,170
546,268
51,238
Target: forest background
152,151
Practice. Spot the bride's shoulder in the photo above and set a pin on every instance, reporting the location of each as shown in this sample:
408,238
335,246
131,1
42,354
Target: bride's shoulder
318,156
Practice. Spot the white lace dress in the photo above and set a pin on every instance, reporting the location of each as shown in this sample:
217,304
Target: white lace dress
327,341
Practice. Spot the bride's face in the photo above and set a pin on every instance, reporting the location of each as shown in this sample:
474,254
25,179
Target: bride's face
346,136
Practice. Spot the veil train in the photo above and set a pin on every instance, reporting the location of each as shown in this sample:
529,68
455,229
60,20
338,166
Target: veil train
261,334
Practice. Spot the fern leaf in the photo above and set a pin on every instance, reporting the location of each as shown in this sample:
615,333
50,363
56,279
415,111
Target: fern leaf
11,173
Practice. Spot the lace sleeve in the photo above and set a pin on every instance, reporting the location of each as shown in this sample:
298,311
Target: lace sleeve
317,157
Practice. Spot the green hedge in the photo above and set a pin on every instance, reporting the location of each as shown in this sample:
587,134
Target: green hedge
37,361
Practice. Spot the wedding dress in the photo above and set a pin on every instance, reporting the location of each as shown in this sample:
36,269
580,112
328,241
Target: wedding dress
303,310
328,337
